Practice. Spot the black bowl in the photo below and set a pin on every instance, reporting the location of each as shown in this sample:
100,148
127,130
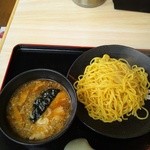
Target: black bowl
22,78
133,127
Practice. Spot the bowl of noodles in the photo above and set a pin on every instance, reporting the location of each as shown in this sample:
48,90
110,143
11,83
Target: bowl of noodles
112,83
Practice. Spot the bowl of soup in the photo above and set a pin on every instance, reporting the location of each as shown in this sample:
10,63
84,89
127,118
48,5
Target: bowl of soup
37,106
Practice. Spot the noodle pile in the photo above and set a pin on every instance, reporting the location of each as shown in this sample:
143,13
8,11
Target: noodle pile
112,90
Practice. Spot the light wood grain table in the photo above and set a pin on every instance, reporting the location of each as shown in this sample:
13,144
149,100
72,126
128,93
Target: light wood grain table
62,22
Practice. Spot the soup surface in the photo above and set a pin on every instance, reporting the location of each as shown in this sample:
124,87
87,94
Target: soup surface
36,119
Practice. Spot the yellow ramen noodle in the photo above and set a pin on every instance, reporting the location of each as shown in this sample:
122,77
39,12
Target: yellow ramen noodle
112,90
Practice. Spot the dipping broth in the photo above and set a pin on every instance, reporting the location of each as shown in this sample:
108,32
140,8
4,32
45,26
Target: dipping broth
29,119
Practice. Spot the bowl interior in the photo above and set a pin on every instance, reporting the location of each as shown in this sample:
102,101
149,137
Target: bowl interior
126,129
22,78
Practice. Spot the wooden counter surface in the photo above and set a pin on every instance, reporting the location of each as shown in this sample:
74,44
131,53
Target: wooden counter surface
62,22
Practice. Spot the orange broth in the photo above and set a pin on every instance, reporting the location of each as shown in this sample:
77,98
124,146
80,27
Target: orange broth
50,122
